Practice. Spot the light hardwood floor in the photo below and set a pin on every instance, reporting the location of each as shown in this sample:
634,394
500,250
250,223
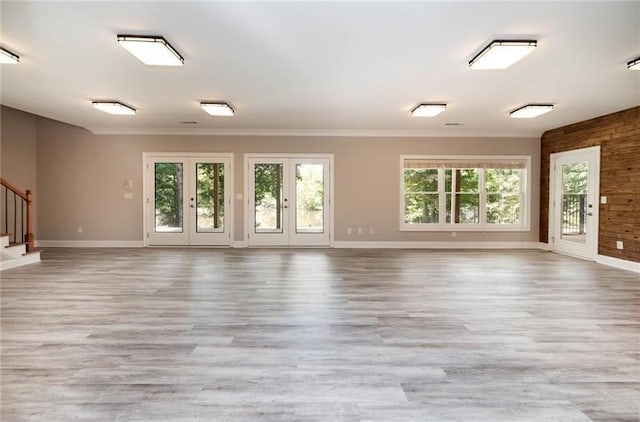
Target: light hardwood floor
319,335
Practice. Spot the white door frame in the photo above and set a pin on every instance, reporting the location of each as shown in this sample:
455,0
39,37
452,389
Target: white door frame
248,224
147,190
591,246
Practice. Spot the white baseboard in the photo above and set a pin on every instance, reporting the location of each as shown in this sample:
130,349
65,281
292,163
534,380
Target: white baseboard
600,259
436,245
89,243
618,263
544,246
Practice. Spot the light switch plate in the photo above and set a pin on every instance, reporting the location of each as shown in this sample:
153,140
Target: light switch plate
603,199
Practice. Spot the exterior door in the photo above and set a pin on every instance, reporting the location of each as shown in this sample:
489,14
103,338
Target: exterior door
188,201
288,201
574,210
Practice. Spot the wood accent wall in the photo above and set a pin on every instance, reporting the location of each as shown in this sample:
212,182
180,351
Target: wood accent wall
618,135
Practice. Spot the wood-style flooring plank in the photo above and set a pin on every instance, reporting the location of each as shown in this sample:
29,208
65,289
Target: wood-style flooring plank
318,335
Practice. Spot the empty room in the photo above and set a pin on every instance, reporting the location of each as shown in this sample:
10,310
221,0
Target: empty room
319,211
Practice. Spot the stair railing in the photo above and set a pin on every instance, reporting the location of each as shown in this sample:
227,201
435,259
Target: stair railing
16,207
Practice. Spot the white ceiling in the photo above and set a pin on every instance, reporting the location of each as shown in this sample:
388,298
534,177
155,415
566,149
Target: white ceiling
321,68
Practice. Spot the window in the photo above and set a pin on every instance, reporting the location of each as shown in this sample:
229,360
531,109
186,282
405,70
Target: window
464,193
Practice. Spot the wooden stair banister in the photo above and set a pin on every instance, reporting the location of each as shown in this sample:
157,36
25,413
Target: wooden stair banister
27,197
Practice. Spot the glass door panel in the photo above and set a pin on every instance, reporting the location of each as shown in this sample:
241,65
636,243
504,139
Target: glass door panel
208,201
269,200
209,197
168,215
168,198
574,201
309,198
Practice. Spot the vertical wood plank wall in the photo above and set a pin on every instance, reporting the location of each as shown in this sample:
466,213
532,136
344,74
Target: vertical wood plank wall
618,135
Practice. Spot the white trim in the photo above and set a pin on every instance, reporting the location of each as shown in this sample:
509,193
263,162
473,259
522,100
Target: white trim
544,246
618,263
240,244
435,245
189,154
90,243
431,133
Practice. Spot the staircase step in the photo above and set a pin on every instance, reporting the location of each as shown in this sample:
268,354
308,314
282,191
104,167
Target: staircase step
8,261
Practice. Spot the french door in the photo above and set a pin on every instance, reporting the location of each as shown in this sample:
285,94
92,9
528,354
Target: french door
574,202
289,201
188,200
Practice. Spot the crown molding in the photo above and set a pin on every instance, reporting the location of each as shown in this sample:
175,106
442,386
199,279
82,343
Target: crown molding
305,132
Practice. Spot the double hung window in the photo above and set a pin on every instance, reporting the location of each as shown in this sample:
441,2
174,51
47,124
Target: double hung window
464,193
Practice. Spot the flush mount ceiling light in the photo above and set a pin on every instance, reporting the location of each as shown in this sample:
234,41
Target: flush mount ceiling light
113,107
500,54
8,57
531,110
634,64
151,50
428,110
217,109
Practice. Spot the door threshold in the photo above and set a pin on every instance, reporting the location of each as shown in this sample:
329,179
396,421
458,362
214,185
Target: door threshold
584,258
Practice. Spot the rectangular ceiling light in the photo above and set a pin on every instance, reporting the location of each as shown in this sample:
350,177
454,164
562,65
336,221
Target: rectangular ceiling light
113,107
151,50
8,57
531,110
500,54
634,64
428,110
217,109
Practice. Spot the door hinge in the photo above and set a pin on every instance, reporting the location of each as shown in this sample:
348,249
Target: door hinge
147,235
553,239
147,200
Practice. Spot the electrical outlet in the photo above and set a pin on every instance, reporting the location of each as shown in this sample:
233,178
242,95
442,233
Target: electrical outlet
80,229
359,230
371,231
603,199
349,230
620,244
